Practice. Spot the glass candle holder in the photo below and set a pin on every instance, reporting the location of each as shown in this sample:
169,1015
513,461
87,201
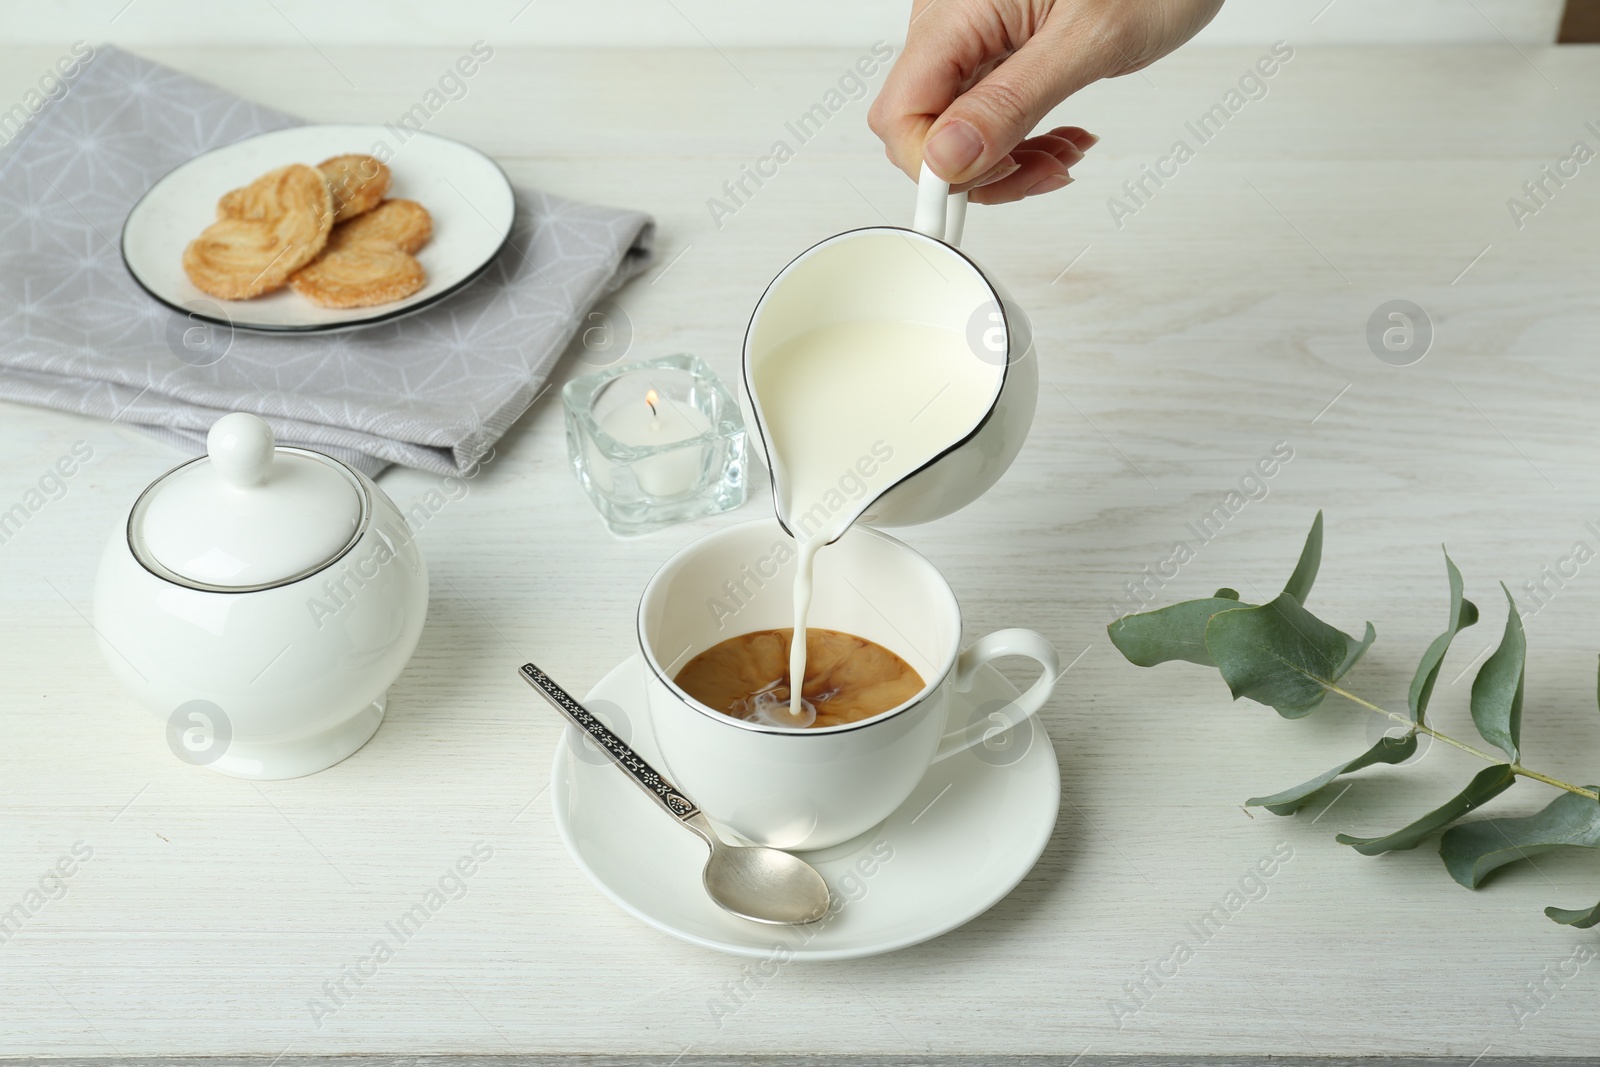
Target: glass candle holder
656,443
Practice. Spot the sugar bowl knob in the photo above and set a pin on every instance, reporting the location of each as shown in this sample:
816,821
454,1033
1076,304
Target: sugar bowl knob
241,449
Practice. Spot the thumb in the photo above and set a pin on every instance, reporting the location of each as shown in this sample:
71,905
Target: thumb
987,121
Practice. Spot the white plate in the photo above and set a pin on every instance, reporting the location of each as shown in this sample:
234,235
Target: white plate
464,190
972,830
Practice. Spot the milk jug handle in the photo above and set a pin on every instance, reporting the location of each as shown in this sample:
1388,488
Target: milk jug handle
939,214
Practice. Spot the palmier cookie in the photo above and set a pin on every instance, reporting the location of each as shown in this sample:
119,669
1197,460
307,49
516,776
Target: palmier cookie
358,183
404,223
268,230
368,260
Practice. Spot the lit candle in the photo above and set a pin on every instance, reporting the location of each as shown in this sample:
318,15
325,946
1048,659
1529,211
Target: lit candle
657,421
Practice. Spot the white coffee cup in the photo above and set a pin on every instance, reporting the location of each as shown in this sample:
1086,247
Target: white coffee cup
808,788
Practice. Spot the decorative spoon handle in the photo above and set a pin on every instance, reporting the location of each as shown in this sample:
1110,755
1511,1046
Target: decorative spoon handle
661,791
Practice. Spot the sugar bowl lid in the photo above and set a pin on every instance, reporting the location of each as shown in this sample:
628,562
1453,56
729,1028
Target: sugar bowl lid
248,515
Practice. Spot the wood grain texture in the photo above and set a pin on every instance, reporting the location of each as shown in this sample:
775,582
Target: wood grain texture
1226,315
826,1060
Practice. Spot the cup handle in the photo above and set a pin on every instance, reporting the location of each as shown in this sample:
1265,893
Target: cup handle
939,214
991,647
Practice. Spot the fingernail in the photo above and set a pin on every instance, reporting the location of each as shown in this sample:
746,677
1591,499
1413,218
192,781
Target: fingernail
1093,140
953,149
1000,170
1049,185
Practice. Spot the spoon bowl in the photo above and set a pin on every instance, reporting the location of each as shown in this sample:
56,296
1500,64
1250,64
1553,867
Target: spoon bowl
765,885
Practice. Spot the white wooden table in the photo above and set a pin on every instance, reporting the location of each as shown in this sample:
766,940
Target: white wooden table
1225,316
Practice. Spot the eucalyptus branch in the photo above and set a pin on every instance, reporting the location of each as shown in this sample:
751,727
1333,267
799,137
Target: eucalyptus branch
1516,768
1281,655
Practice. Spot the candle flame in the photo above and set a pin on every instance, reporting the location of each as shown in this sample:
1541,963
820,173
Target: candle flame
652,398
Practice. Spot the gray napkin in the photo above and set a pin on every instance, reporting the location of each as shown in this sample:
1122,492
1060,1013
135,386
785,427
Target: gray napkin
433,390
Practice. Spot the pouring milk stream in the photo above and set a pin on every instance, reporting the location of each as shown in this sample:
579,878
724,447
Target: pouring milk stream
875,364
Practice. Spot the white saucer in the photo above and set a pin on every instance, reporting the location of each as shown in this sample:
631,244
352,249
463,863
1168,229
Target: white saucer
465,191
972,830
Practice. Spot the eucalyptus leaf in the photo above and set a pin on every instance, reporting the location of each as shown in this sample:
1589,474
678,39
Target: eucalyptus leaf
1177,631
1305,571
1226,594
1355,650
1485,786
1473,849
1463,613
1281,655
1497,691
1387,750
1582,920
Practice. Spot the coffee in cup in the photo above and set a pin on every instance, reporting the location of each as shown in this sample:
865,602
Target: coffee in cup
847,678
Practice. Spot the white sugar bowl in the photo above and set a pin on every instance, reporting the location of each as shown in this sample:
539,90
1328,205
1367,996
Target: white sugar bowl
260,600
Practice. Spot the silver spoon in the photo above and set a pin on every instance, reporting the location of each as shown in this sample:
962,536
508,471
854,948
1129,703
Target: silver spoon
763,884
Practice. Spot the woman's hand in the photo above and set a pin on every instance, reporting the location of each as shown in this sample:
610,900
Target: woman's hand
976,76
